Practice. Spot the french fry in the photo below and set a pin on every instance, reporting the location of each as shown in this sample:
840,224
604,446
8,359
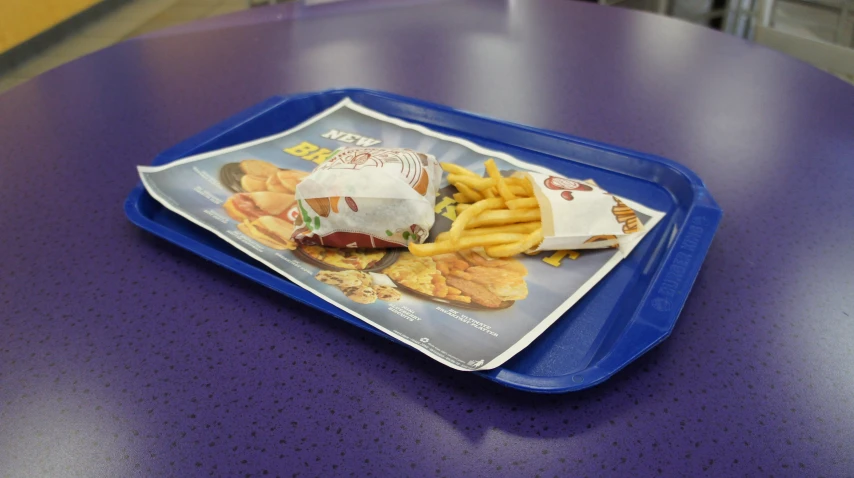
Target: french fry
495,218
444,236
476,183
521,228
500,214
455,169
434,248
494,173
519,178
506,250
520,191
470,213
523,203
471,194
505,191
459,298
461,198
529,188
492,169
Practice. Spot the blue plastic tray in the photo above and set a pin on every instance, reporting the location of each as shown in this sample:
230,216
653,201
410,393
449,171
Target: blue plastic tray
634,308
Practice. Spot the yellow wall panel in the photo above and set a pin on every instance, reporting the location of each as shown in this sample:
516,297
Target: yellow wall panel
21,20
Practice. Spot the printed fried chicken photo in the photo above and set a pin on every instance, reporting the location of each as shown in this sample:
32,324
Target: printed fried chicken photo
503,277
506,284
478,293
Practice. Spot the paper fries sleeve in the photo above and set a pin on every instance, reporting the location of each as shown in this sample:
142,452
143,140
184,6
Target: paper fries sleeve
580,215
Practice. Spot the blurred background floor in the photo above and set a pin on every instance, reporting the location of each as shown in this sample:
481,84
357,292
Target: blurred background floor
812,20
805,18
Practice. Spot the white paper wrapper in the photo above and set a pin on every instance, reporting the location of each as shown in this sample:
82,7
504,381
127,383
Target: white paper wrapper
368,197
580,215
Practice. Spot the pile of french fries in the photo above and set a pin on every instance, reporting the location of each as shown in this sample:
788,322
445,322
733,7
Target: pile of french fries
499,214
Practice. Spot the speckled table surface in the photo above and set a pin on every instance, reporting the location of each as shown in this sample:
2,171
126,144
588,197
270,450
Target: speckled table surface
121,355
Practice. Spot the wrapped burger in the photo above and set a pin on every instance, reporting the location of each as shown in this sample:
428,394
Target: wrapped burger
368,197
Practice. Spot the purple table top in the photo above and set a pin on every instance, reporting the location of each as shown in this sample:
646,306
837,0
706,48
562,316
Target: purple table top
122,355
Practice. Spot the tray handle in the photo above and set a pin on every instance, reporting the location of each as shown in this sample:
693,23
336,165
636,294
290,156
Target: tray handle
660,308
669,290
